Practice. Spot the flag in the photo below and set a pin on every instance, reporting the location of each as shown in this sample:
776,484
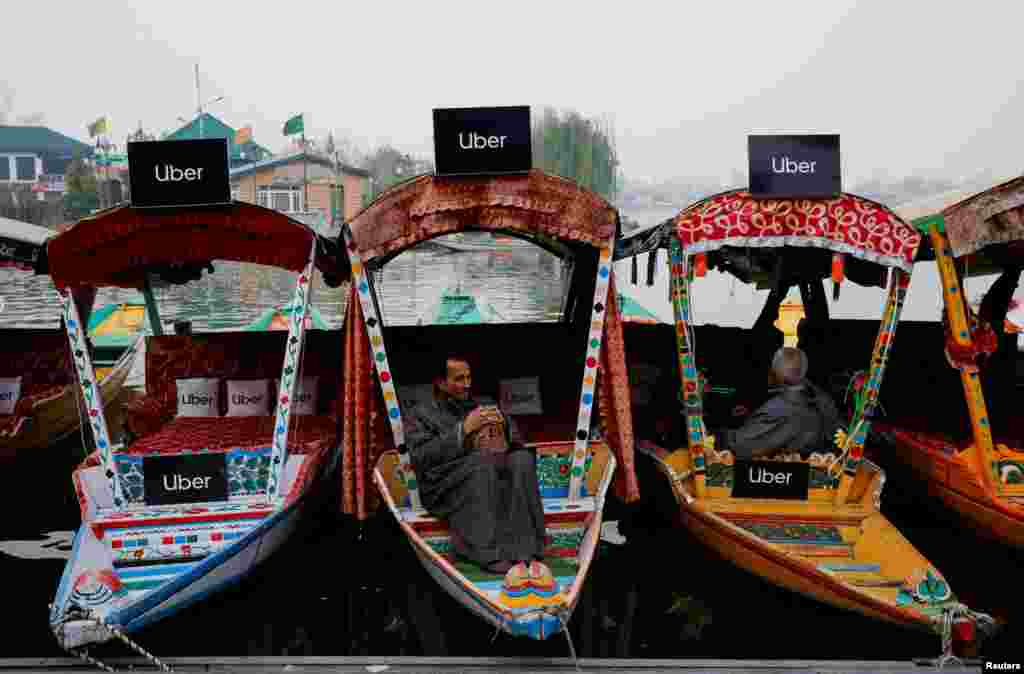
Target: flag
99,127
243,135
294,126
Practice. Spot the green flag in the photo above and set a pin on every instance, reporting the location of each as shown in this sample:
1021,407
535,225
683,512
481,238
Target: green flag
293,126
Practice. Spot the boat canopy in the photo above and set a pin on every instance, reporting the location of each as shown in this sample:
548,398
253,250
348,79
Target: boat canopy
741,234
976,223
119,246
23,246
849,224
545,209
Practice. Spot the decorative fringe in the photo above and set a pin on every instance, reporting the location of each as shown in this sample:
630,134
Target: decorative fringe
652,266
633,271
838,274
700,265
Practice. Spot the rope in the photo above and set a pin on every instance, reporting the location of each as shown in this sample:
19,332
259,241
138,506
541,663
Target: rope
950,613
83,654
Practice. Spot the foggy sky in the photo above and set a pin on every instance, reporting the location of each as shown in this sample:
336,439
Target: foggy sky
913,87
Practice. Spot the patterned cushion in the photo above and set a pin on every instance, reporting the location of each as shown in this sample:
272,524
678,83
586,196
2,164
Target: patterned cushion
230,355
39,357
307,435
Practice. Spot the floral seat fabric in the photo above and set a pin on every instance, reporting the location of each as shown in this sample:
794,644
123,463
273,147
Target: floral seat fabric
307,435
40,358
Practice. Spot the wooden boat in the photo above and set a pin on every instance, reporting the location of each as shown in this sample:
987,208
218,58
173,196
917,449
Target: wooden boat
978,474
830,543
47,406
279,318
459,308
112,329
147,548
575,464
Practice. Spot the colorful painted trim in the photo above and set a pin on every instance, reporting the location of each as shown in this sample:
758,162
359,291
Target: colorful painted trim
374,329
593,357
90,392
248,473
290,374
690,391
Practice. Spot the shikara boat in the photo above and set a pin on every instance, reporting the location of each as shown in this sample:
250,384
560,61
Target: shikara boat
978,474
576,456
830,542
279,318
194,498
112,329
37,359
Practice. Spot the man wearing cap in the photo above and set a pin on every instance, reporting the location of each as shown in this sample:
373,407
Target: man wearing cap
799,416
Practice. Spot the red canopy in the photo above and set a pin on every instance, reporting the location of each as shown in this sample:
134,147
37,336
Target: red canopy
848,224
534,204
115,247
991,217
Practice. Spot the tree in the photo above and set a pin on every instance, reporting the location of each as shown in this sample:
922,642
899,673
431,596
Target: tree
388,167
82,195
577,148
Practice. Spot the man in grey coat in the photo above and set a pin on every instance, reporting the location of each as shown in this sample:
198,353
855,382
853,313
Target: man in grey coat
487,489
799,416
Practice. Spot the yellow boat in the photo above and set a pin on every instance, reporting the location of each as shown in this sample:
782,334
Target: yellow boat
981,476
112,329
829,540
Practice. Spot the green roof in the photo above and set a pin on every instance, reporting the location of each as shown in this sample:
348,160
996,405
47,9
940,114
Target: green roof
214,128
39,139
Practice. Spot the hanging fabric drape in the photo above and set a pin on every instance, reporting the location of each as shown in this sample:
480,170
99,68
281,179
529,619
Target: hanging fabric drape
360,446
615,400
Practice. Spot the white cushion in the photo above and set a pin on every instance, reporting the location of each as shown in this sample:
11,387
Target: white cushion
520,396
305,399
198,397
10,393
249,398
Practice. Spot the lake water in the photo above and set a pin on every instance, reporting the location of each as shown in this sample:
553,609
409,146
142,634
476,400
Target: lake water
341,589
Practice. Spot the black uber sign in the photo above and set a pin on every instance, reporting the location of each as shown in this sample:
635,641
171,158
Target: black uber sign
771,479
190,478
790,167
470,141
165,173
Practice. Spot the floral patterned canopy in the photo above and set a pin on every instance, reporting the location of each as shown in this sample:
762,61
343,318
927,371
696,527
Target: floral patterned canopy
117,246
848,224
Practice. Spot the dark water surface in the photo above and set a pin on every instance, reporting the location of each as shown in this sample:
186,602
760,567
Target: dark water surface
341,589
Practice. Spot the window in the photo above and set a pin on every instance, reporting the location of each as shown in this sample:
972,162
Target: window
19,168
26,168
285,200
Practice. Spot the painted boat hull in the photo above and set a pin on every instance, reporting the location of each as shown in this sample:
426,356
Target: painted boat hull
225,568
951,481
880,593
540,622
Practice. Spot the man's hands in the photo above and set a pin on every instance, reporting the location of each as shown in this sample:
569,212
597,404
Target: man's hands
480,417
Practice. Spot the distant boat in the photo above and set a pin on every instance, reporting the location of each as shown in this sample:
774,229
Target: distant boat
113,329
485,243
278,317
458,308
634,312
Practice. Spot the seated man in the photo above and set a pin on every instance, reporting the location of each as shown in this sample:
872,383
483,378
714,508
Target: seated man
474,470
798,417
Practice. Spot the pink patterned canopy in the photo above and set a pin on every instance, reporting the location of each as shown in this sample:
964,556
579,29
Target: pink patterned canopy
848,224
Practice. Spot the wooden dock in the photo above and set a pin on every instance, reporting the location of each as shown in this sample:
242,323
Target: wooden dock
392,665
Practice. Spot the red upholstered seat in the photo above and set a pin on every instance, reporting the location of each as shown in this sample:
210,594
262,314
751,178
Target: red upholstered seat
307,435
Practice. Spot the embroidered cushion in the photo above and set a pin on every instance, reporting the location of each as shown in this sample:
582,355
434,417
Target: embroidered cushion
248,398
199,397
10,393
